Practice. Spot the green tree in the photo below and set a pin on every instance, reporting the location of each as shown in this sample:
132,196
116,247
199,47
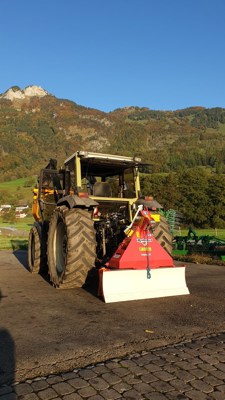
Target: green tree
216,195
194,200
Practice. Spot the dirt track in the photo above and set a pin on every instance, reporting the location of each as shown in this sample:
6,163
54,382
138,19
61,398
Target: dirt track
44,330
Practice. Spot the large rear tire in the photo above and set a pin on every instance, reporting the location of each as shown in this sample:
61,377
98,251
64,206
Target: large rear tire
71,247
163,235
37,249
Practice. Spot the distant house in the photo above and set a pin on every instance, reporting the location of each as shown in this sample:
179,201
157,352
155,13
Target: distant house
4,208
21,211
21,215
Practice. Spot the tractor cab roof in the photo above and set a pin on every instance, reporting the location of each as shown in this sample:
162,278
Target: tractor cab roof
98,164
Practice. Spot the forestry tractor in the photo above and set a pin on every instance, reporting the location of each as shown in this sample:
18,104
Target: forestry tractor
90,214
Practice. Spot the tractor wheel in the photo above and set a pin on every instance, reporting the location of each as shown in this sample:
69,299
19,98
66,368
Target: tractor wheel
163,235
36,250
71,247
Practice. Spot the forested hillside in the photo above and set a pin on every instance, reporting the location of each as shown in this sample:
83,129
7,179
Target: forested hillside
35,128
197,193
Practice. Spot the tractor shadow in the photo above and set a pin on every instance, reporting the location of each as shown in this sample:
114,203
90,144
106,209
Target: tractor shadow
7,356
21,255
19,248
92,282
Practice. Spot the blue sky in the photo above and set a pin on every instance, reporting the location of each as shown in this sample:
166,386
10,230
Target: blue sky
106,54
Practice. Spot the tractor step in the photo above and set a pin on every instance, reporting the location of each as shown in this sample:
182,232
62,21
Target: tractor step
124,285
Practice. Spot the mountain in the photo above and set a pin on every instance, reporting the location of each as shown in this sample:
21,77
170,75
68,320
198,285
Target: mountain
15,93
35,126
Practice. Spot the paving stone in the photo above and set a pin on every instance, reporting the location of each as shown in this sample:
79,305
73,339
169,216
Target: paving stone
137,370
160,362
78,383
153,368
172,358
202,386
99,383
141,361
122,371
211,380
209,359
132,395
199,373
62,388
96,397
180,385
101,369
217,395
196,395
111,365
159,353
47,394
176,396
184,375
121,387
143,388
187,366
54,379
218,374
155,396
148,378
195,361
221,357
127,363
87,392
207,367
193,352
221,367
111,378
39,385
163,375
110,394
178,349
162,386
212,346
87,374
132,379
186,371
69,375
23,388
192,345
221,388
170,368
30,396
186,355
72,396
209,352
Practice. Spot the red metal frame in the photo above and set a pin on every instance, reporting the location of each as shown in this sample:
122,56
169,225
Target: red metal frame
140,250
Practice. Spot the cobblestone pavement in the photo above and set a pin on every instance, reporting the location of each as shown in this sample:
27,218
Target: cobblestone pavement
190,370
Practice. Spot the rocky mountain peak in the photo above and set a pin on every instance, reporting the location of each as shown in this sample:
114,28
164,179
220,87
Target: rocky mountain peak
15,93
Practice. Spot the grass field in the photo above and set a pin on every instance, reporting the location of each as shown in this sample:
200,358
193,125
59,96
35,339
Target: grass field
219,233
14,192
12,185
12,241
15,242
18,189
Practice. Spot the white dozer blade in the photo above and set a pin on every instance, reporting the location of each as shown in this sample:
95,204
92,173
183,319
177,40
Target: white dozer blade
125,284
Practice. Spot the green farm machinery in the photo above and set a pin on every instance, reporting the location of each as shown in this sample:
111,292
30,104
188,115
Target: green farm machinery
194,244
